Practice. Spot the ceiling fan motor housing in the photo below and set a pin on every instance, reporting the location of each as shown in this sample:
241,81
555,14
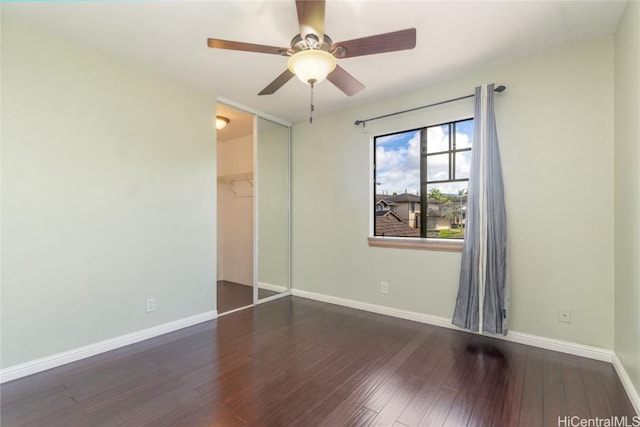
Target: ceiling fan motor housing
311,41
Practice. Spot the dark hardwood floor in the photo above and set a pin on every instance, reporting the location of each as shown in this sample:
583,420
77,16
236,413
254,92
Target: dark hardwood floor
234,295
296,362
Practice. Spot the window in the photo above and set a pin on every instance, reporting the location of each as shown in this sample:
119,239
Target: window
424,174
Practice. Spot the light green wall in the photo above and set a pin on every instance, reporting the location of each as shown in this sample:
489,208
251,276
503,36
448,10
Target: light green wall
627,191
555,125
108,197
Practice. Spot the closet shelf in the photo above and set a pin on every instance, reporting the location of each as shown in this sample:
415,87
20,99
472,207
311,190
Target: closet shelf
240,184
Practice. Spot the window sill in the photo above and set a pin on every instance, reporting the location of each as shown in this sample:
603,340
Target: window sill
416,243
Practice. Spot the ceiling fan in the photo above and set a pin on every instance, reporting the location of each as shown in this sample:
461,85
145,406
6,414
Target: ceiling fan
313,55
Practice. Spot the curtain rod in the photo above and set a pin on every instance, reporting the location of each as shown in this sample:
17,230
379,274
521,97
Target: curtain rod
364,122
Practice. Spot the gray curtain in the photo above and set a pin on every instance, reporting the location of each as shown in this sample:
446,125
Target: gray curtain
484,274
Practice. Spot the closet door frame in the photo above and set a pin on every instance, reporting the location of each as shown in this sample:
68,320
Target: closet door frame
256,115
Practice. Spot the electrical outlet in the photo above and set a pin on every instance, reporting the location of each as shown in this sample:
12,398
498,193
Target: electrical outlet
151,305
564,315
384,287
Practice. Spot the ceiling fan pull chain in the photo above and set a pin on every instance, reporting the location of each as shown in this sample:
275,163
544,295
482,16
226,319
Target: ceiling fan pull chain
311,107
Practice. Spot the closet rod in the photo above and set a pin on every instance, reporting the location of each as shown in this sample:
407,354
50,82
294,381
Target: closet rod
364,122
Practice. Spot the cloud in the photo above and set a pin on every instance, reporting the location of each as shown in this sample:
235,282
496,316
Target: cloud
398,161
390,139
463,164
437,139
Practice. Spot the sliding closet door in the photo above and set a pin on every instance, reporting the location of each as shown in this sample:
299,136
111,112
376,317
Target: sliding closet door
272,208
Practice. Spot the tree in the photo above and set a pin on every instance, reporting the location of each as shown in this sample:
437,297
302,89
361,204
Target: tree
436,194
453,209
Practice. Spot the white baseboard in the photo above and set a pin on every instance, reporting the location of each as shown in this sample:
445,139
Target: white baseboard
518,337
234,310
373,308
568,347
273,297
267,286
272,287
39,365
633,394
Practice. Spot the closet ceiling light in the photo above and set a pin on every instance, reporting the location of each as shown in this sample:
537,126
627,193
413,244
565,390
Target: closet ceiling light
221,122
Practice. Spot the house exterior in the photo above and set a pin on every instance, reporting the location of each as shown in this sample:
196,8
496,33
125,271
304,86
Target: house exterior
435,218
407,207
384,204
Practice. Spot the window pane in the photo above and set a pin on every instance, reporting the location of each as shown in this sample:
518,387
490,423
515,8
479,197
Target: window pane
446,210
397,178
398,163
437,138
463,164
464,134
435,220
438,167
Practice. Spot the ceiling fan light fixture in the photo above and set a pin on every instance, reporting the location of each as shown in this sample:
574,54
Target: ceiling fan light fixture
221,122
312,66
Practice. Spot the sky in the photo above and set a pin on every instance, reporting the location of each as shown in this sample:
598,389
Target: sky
398,159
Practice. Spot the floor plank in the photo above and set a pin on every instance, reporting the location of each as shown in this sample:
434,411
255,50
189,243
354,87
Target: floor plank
439,410
395,406
532,405
297,362
482,413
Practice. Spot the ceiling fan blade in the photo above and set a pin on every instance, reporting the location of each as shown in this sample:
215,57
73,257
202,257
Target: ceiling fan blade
311,17
247,47
381,43
277,83
345,81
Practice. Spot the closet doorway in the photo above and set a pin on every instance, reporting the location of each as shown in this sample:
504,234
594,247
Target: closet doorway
253,209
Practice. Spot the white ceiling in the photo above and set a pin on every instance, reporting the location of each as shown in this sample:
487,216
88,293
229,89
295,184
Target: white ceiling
453,38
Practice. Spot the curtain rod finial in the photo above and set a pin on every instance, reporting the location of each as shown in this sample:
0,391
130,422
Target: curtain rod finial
500,88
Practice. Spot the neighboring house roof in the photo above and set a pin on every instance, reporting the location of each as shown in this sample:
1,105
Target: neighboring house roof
390,224
404,198
385,198
386,202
